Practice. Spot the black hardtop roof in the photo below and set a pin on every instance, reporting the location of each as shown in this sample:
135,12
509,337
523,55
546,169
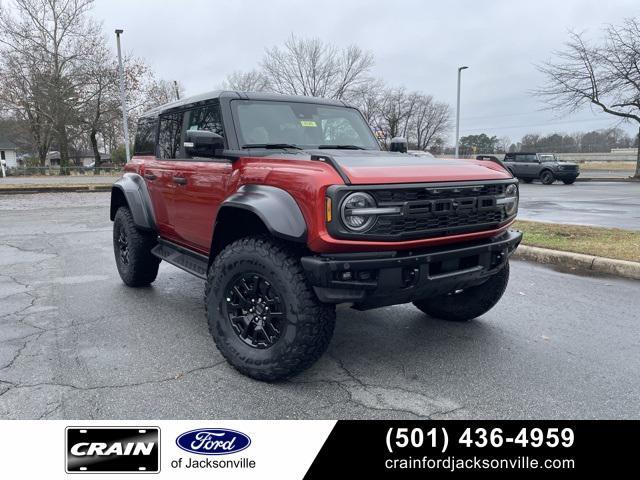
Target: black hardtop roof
205,97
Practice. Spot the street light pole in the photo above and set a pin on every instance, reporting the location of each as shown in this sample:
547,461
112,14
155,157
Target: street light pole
125,126
458,109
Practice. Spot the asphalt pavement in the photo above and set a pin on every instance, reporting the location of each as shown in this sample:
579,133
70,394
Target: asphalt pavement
76,343
605,204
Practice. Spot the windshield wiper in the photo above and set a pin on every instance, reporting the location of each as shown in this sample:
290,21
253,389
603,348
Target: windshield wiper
343,147
271,145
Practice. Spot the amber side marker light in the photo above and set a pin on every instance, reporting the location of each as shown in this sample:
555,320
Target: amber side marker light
328,204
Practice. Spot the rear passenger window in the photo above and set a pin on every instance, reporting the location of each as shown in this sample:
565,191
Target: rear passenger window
145,143
170,135
206,118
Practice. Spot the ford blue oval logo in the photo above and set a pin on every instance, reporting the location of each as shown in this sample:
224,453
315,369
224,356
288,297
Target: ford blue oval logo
213,441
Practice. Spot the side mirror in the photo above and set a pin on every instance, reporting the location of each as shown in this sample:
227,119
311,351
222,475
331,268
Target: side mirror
202,143
399,144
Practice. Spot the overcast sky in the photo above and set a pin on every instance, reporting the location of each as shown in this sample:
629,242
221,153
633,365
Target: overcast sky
418,44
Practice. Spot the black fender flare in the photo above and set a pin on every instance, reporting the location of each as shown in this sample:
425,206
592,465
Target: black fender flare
274,206
133,189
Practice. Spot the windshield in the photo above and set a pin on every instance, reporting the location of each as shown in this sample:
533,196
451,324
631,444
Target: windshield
302,125
547,158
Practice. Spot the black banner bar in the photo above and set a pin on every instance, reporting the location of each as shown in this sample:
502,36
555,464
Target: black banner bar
416,449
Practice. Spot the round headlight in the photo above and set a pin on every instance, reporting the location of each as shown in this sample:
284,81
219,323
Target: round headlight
352,217
511,197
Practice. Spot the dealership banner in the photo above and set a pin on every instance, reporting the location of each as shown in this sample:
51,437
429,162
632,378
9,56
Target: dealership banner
313,449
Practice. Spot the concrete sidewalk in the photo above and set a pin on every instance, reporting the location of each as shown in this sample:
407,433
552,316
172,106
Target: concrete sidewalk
47,183
57,180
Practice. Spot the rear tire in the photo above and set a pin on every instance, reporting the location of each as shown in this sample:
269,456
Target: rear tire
263,343
469,303
547,177
137,266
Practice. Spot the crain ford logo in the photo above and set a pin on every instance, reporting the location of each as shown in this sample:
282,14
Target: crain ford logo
213,441
112,449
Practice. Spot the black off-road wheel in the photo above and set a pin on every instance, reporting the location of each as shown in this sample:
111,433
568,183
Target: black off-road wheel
137,266
469,303
569,181
264,317
547,177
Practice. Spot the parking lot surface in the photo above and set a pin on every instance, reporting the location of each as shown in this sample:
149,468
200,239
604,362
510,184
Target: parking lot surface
76,343
604,204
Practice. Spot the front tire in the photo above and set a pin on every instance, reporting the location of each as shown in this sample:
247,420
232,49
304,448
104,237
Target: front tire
547,177
264,318
137,266
467,304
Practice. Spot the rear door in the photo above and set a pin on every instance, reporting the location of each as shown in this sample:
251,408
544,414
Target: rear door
510,162
159,172
201,183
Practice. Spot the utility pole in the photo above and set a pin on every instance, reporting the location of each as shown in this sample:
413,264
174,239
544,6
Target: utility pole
125,126
458,109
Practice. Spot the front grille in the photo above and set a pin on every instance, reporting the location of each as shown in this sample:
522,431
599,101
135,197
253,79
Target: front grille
441,224
435,210
401,195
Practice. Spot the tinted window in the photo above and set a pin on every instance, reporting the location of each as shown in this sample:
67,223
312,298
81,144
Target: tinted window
526,158
206,118
169,136
145,143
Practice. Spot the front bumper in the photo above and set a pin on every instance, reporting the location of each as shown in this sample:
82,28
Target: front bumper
375,279
566,174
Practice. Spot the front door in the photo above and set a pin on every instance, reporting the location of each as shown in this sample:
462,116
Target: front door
200,184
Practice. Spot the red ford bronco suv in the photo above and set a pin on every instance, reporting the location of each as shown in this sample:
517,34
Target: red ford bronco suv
287,206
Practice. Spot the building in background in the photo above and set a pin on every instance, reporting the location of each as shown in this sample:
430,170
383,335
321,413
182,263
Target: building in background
8,152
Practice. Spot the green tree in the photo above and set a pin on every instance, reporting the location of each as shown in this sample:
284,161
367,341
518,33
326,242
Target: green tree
477,144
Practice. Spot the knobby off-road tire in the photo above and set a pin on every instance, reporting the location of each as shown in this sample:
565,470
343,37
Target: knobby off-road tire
137,266
469,303
297,336
547,177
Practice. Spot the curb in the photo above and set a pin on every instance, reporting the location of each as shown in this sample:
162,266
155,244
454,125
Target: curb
606,179
92,187
579,261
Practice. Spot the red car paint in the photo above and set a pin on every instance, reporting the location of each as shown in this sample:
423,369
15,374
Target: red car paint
185,214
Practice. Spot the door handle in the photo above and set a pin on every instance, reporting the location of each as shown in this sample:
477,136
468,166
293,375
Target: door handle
180,180
150,176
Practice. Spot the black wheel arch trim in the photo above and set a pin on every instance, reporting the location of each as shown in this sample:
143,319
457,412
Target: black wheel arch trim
134,189
277,209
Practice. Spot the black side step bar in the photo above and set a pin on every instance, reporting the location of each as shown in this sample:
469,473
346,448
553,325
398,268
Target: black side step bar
192,262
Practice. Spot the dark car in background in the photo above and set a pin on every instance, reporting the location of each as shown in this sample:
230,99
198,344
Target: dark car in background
541,166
